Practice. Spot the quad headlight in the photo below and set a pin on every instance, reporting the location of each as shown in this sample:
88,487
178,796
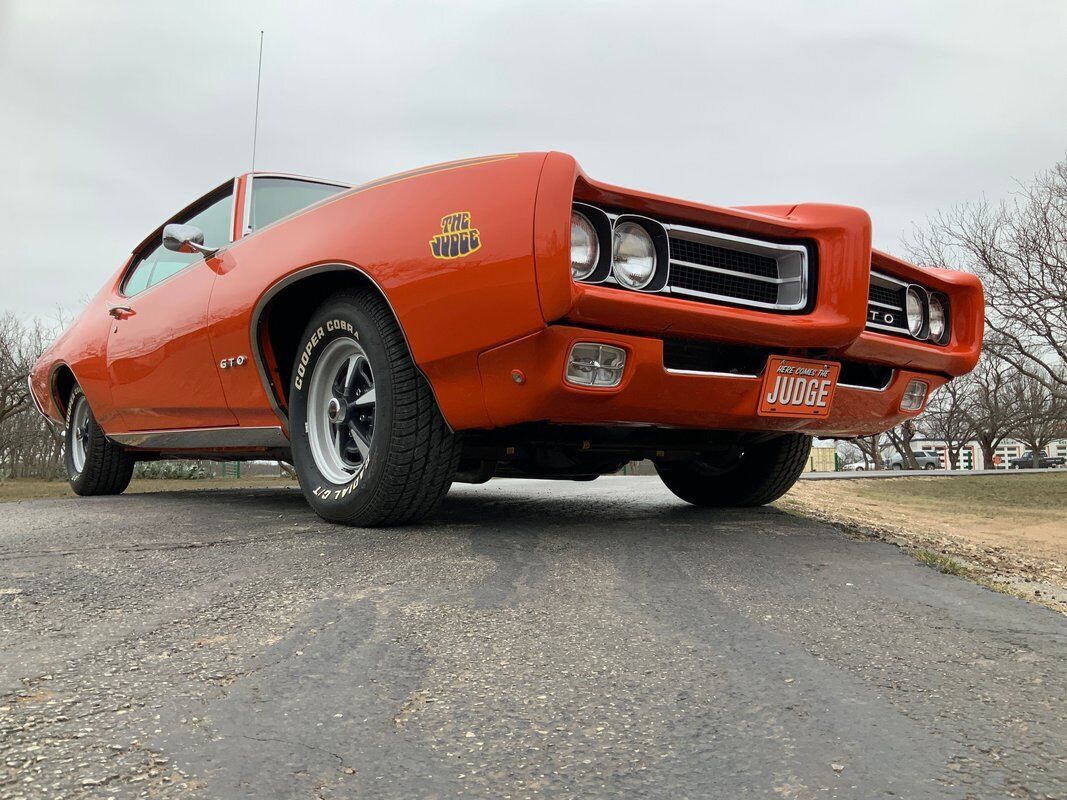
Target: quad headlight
938,318
633,255
914,302
585,246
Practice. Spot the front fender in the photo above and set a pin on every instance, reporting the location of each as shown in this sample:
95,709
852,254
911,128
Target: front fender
451,305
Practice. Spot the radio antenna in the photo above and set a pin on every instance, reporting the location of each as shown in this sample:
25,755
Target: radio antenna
259,77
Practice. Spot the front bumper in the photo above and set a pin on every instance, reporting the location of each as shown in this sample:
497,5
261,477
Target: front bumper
839,274
650,394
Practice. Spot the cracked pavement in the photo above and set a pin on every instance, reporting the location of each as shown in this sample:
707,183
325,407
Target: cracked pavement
536,639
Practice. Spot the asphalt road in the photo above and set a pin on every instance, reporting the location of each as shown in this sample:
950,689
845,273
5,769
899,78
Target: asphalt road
539,640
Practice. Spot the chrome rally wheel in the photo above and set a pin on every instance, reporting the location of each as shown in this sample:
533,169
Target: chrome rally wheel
341,410
79,433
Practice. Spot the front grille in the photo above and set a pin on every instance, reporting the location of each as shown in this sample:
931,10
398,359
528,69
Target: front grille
885,296
886,304
709,255
722,285
716,267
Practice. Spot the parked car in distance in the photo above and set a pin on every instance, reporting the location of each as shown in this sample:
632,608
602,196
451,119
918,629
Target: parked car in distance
502,316
1026,461
923,460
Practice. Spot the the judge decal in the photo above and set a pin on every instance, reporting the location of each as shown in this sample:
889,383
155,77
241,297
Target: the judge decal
457,238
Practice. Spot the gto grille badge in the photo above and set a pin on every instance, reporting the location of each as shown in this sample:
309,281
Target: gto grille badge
236,361
874,315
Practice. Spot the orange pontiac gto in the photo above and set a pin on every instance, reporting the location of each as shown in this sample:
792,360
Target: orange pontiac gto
499,316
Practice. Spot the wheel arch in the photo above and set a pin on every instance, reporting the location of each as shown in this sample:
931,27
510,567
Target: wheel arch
275,337
61,384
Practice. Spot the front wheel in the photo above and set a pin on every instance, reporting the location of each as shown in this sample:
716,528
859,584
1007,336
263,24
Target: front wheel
370,446
95,464
763,473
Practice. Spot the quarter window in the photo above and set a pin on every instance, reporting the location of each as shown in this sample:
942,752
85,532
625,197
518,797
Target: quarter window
158,263
274,198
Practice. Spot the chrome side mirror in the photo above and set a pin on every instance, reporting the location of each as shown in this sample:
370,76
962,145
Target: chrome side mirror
186,239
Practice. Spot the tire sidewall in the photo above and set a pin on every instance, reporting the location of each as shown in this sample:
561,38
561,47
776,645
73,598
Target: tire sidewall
74,477
339,319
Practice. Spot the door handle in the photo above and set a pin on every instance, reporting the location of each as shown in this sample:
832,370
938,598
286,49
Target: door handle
120,312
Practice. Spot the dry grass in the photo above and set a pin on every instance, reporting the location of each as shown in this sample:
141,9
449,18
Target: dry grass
942,563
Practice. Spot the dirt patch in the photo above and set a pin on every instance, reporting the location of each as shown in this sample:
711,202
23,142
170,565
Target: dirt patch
1009,533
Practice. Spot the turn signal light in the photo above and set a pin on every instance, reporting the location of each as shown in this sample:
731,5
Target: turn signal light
592,364
914,396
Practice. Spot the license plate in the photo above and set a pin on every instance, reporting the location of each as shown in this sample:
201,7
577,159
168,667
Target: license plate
798,387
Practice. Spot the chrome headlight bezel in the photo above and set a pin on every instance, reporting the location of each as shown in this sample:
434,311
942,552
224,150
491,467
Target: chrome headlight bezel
655,234
634,270
602,225
915,311
581,223
938,320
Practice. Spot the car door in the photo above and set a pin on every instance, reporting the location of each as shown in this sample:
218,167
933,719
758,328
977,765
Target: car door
160,364
241,282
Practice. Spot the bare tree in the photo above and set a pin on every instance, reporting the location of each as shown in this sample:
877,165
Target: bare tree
28,446
948,417
849,452
1019,249
901,437
16,357
992,407
872,447
1041,415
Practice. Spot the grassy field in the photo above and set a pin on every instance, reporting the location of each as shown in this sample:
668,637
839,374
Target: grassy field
30,489
987,495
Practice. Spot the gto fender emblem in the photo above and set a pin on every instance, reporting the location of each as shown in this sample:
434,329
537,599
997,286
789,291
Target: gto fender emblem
883,316
236,361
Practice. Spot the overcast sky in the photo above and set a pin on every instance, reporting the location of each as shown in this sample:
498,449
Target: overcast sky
114,115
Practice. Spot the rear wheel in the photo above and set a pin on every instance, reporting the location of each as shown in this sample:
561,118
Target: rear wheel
763,473
95,464
370,446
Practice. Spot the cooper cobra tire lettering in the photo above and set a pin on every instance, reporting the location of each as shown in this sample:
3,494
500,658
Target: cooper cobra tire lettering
305,352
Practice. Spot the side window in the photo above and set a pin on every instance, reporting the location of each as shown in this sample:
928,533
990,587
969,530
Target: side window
274,198
160,263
